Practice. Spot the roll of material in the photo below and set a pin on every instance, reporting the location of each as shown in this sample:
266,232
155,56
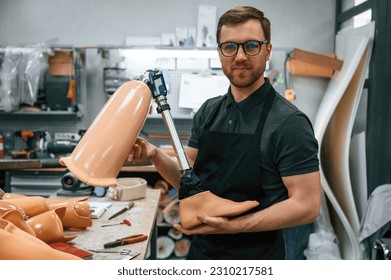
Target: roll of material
128,189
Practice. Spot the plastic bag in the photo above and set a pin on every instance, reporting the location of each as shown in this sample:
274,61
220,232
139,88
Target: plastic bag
377,218
9,75
21,71
323,243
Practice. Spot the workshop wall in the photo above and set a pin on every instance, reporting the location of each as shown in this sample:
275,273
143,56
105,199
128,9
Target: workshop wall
305,24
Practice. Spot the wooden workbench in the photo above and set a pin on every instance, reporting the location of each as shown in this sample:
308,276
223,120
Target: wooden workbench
53,164
142,215
143,218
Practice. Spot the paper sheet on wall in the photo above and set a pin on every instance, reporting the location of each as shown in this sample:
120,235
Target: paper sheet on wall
196,89
206,26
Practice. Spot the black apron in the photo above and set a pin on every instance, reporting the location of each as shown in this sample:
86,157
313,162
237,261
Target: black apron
228,164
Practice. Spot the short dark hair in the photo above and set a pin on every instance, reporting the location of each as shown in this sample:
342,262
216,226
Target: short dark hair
241,14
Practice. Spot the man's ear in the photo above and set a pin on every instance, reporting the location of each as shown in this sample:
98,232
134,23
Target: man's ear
269,48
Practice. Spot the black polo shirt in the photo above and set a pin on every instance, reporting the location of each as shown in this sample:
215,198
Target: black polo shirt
288,146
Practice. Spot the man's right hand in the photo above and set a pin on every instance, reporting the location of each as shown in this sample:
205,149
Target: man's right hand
142,151
166,165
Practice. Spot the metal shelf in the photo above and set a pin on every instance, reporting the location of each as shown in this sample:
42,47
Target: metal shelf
39,114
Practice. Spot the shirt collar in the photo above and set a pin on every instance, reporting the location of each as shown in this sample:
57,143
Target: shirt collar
252,101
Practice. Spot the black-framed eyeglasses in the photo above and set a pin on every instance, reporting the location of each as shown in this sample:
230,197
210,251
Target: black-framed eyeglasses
250,47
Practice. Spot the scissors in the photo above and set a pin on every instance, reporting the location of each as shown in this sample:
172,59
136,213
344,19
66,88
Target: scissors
121,252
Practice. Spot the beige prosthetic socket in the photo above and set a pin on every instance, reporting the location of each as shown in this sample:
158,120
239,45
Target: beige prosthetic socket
17,218
211,205
31,205
17,244
101,152
77,215
48,226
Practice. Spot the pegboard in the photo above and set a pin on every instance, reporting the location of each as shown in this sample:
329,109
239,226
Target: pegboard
182,117
10,123
173,81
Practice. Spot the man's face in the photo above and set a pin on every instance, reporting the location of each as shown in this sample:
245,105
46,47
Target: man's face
242,70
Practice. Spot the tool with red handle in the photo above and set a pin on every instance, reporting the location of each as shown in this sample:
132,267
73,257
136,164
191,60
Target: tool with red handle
124,222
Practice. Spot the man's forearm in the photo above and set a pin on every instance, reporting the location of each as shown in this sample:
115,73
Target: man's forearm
167,167
284,214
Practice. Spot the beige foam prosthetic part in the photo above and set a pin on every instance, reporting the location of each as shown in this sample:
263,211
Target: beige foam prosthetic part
12,195
17,218
211,205
77,215
48,226
6,206
17,244
101,152
31,205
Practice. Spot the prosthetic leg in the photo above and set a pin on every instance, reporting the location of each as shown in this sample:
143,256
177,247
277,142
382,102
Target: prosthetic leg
100,154
193,200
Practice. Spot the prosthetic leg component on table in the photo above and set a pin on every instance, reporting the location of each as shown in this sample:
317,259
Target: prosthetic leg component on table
211,205
48,226
17,244
77,215
101,152
31,205
17,218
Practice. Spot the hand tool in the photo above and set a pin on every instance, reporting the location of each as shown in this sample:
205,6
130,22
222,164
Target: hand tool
28,137
130,205
131,256
124,222
126,240
128,254
121,252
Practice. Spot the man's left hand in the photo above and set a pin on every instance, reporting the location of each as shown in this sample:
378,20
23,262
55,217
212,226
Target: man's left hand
210,225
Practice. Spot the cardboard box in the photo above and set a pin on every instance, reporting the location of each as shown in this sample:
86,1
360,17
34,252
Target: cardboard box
300,68
306,63
61,63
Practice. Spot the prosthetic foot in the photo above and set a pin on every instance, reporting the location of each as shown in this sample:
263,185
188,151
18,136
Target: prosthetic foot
212,205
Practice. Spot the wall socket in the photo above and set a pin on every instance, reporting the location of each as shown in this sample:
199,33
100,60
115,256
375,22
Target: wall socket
66,136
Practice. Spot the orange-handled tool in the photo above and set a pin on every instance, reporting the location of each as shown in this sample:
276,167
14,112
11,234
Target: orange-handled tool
126,240
124,222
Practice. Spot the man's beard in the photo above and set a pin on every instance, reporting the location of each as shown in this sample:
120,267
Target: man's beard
243,80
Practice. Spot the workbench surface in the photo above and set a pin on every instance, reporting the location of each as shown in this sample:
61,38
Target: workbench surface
143,221
53,164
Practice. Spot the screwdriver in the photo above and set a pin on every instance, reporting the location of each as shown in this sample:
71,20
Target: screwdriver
124,222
